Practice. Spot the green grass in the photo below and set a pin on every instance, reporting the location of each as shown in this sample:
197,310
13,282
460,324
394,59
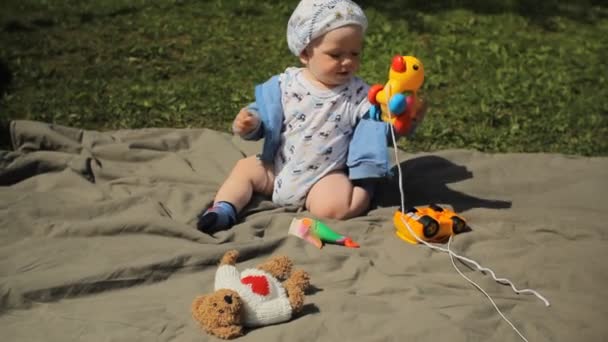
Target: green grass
502,76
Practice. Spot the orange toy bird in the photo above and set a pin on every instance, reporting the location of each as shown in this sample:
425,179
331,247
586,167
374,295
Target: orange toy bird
399,94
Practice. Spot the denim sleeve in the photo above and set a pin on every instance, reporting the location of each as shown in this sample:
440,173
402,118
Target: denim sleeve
368,152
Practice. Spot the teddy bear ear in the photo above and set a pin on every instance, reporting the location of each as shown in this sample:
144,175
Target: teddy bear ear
196,313
228,332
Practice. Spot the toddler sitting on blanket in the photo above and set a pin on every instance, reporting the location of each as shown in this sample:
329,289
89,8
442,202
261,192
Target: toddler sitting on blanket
320,149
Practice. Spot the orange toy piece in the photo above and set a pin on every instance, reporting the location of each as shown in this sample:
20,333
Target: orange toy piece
432,224
399,94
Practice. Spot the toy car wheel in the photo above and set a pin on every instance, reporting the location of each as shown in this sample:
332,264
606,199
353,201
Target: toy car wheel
436,207
458,225
430,227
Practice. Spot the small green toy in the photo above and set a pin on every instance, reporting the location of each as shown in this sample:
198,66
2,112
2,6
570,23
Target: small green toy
317,232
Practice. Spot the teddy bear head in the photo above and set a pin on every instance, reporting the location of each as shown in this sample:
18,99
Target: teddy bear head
219,313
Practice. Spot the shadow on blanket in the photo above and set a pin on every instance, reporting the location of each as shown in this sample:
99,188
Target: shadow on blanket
426,179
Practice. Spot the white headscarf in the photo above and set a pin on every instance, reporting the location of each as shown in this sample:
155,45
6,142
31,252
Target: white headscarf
314,18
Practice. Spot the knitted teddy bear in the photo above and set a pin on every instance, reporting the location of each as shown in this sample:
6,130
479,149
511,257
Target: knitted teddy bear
267,294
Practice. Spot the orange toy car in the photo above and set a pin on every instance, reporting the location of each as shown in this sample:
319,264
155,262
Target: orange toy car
431,224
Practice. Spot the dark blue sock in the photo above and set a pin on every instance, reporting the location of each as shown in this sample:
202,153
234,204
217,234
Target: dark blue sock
220,216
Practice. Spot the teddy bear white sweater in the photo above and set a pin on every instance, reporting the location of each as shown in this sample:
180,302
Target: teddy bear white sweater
264,297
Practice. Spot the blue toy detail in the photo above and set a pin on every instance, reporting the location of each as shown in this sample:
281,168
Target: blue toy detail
374,113
397,104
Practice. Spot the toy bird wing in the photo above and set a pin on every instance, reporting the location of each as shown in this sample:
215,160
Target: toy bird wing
303,228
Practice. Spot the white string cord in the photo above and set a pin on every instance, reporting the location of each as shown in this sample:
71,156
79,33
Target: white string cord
485,293
453,255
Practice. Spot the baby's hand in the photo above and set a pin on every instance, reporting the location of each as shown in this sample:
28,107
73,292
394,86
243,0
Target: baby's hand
421,111
245,122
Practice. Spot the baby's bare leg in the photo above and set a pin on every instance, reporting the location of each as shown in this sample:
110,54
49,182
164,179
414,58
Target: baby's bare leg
335,197
248,176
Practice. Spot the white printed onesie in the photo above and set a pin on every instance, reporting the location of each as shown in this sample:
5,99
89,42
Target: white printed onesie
317,129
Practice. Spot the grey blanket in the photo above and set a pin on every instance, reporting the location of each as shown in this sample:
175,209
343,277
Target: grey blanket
98,243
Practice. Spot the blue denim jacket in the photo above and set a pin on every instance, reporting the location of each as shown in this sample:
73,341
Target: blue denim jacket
367,153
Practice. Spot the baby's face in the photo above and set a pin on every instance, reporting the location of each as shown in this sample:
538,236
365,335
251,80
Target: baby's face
332,59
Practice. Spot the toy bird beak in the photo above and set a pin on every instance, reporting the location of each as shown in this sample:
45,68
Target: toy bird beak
398,64
348,242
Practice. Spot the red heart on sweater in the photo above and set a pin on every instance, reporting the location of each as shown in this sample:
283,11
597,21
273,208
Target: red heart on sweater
259,284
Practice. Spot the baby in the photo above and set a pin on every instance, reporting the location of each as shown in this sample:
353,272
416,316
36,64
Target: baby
321,152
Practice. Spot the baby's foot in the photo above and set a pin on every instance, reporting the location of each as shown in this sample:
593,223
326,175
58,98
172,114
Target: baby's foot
222,215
